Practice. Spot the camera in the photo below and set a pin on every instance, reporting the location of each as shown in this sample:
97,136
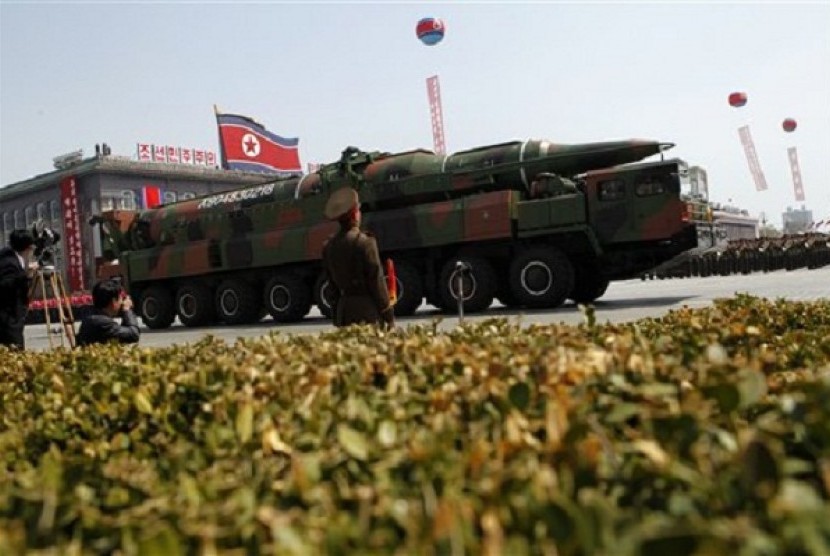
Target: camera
45,241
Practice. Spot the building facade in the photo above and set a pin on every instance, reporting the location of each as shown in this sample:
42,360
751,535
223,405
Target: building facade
65,199
796,221
736,223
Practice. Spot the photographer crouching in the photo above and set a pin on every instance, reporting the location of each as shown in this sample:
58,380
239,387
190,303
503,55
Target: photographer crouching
110,302
15,275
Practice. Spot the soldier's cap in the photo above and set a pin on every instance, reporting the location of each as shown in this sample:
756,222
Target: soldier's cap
340,202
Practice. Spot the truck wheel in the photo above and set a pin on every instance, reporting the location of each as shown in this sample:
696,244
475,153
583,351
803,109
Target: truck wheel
410,290
541,277
237,302
194,305
156,307
287,298
322,296
588,286
478,285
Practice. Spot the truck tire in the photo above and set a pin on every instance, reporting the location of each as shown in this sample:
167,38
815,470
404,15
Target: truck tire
541,277
156,307
321,297
588,286
410,290
237,302
479,285
194,305
287,298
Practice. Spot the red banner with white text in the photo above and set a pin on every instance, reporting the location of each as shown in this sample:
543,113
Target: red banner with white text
70,209
798,186
436,114
752,159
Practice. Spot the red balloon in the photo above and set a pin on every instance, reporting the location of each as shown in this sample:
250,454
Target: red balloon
737,99
789,125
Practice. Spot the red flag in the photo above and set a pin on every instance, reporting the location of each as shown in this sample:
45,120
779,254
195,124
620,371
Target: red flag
391,281
150,196
248,146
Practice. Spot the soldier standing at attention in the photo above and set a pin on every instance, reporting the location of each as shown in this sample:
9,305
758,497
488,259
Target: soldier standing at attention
352,265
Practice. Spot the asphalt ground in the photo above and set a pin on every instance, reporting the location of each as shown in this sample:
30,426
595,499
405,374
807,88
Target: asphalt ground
624,301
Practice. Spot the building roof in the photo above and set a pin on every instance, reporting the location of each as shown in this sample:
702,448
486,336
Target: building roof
126,166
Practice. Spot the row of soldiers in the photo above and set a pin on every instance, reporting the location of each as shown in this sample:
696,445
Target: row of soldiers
744,256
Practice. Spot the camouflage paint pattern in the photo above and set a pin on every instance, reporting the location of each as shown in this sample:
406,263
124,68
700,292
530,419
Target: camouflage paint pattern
423,205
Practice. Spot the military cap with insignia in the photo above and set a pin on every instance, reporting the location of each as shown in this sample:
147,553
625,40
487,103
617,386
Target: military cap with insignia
340,202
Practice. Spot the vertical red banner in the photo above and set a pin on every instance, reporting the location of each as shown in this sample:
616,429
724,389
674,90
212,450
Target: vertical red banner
752,158
798,187
436,114
71,222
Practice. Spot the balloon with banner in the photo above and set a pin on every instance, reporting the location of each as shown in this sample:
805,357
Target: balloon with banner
752,158
738,99
789,125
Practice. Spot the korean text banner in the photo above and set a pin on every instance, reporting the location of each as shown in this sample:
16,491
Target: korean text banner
71,223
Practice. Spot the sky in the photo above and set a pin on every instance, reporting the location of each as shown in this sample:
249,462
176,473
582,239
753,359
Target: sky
335,74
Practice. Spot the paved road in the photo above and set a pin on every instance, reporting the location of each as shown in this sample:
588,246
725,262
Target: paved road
624,301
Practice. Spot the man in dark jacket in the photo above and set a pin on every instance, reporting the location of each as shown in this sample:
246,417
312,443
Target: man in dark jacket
15,275
352,265
110,302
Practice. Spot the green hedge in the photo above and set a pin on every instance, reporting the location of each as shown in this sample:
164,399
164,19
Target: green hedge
703,432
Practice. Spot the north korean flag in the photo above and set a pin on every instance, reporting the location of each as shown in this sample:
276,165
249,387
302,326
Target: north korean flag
248,146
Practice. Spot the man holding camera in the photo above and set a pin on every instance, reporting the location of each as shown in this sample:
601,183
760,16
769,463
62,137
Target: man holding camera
15,275
110,302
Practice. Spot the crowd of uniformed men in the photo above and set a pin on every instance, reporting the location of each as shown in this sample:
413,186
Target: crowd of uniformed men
745,256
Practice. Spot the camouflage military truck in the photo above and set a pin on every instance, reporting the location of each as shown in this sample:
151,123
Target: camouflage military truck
535,222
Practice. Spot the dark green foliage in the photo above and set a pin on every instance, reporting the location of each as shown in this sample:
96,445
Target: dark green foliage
703,432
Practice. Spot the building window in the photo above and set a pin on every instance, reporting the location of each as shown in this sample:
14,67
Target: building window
54,212
127,200
18,219
169,197
7,227
188,195
118,200
30,216
41,212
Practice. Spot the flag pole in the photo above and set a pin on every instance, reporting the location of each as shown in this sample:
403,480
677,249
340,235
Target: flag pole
221,144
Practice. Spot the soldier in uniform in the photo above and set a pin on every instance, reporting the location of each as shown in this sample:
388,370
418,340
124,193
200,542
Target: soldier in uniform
352,265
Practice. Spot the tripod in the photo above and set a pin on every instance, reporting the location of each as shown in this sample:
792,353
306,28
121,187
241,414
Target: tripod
51,287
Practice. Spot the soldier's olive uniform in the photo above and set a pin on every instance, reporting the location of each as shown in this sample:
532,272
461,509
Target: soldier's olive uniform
353,266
